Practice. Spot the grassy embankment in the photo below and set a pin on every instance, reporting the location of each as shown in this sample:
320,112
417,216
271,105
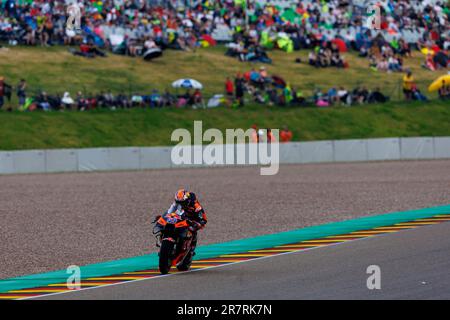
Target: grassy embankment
56,70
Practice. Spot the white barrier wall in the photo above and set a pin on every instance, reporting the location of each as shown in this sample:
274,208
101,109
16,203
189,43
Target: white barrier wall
291,153
442,147
6,162
124,158
135,158
350,150
30,161
383,149
155,158
316,152
417,148
65,160
93,159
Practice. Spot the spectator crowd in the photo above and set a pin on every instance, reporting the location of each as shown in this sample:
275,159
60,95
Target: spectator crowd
265,89
133,26
256,86
326,28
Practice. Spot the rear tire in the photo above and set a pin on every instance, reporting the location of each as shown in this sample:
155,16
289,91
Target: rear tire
185,265
165,256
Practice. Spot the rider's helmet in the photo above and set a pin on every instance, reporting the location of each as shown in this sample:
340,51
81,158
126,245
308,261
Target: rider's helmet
184,198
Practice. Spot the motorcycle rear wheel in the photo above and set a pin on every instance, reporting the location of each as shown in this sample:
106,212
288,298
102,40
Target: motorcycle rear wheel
185,265
165,255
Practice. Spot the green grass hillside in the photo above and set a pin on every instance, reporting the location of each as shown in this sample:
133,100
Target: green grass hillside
56,70
154,127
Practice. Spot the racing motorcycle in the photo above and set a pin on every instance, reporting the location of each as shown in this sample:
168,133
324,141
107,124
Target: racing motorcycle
174,234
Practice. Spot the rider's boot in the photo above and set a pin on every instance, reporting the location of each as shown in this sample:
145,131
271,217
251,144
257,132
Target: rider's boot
186,263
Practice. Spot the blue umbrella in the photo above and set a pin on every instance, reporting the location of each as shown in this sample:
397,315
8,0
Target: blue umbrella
187,84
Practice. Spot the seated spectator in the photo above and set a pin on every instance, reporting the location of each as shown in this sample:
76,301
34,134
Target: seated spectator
320,99
342,94
363,52
101,100
137,100
55,102
429,63
373,63
417,94
263,74
110,100
404,48
273,97
394,64
255,134
332,96
285,135
312,59
377,97
84,51
360,95
155,99
133,47
383,65
43,101
94,50
287,94
123,102
229,88
168,99
256,79
82,103
150,44
5,91
408,83
444,91
67,101
337,61
185,99
270,137
298,97
258,96
322,58
197,99
92,102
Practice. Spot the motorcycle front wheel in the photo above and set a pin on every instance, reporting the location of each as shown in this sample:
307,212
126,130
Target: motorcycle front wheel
165,256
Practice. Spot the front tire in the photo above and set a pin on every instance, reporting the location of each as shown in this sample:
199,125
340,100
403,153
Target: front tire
165,256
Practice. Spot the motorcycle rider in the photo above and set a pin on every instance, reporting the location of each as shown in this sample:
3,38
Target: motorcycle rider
187,203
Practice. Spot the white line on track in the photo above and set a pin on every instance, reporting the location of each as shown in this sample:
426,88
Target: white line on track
214,267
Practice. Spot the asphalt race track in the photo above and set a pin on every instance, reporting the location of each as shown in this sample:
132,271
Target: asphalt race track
52,221
414,264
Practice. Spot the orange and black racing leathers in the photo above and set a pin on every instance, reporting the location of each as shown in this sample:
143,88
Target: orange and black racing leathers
194,212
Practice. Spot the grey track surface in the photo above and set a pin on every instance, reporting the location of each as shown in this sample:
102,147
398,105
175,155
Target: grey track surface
52,221
414,264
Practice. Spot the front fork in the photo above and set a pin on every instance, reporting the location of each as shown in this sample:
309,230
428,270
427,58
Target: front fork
157,232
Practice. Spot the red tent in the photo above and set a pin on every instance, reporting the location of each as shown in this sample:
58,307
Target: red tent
340,44
278,82
435,48
209,39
